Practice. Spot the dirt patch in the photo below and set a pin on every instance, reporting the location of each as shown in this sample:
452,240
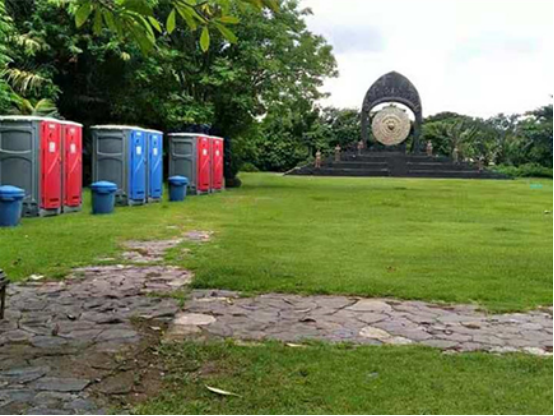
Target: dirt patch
139,373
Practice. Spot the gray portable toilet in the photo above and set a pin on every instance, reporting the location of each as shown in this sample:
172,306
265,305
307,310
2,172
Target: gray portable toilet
31,159
119,156
189,156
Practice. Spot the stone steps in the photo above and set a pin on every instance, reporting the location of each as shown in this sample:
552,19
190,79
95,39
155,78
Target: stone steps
396,164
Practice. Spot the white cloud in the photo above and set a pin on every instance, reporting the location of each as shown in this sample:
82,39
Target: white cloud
478,57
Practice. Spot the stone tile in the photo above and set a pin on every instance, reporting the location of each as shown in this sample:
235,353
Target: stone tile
60,384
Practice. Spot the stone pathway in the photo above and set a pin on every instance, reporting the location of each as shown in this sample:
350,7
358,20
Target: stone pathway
61,342
59,338
66,347
293,318
147,252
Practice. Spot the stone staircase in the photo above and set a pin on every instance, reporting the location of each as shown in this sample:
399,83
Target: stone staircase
396,164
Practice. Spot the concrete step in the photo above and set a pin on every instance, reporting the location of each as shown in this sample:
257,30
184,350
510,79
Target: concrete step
351,172
357,165
449,166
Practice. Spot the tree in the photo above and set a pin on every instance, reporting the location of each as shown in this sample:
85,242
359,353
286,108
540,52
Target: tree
344,126
514,139
5,29
27,81
536,129
505,140
452,132
273,73
136,19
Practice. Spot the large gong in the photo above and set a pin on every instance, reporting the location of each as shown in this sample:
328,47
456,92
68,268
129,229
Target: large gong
392,88
391,126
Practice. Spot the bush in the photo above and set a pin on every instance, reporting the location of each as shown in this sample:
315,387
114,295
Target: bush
249,167
528,170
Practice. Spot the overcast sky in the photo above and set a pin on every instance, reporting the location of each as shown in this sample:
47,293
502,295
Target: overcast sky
477,57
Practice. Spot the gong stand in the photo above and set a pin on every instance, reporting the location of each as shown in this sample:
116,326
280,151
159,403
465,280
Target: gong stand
392,88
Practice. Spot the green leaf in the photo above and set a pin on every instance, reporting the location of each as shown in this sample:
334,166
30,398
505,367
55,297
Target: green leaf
145,42
170,24
230,20
272,4
226,32
205,39
108,18
155,24
140,6
83,14
97,25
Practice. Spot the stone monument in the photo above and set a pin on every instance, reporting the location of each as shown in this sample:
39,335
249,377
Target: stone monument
392,88
390,143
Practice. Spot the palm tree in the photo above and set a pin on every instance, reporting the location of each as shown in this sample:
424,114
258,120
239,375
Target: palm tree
18,81
41,108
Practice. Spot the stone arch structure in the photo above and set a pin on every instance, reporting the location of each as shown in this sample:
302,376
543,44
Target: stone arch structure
393,88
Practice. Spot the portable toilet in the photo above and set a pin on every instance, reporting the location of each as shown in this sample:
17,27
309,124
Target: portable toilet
72,166
31,159
216,155
119,156
154,163
189,156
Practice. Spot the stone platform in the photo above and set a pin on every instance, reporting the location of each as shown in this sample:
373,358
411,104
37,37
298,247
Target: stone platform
396,164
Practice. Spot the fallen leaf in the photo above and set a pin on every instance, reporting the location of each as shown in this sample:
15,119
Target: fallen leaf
36,277
221,392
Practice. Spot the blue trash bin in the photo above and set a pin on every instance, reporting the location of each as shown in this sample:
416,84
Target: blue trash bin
103,197
178,188
11,204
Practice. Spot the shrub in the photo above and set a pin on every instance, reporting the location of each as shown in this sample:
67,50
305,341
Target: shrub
525,171
249,167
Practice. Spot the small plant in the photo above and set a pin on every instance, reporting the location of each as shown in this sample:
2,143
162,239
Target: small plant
249,167
42,108
529,170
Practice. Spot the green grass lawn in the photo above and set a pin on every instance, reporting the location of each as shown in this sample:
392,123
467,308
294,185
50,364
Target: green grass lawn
438,240
445,240
324,379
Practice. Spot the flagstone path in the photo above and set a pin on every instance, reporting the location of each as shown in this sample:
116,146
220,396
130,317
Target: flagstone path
293,318
62,341
65,346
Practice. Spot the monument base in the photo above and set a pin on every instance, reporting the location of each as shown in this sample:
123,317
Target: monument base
396,164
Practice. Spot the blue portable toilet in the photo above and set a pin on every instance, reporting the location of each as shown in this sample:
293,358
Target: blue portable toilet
120,156
154,171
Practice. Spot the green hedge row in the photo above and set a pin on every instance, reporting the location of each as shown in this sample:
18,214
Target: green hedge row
525,171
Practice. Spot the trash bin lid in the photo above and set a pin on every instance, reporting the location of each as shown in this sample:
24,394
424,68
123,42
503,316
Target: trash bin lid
8,191
178,180
104,186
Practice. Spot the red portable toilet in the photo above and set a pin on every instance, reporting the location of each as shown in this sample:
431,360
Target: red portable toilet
216,154
204,165
189,156
31,159
72,177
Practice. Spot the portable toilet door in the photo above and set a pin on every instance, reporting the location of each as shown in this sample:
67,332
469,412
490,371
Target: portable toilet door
216,152
137,167
51,166
30,159
109,158
72,140
204,165
154,176
182,157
